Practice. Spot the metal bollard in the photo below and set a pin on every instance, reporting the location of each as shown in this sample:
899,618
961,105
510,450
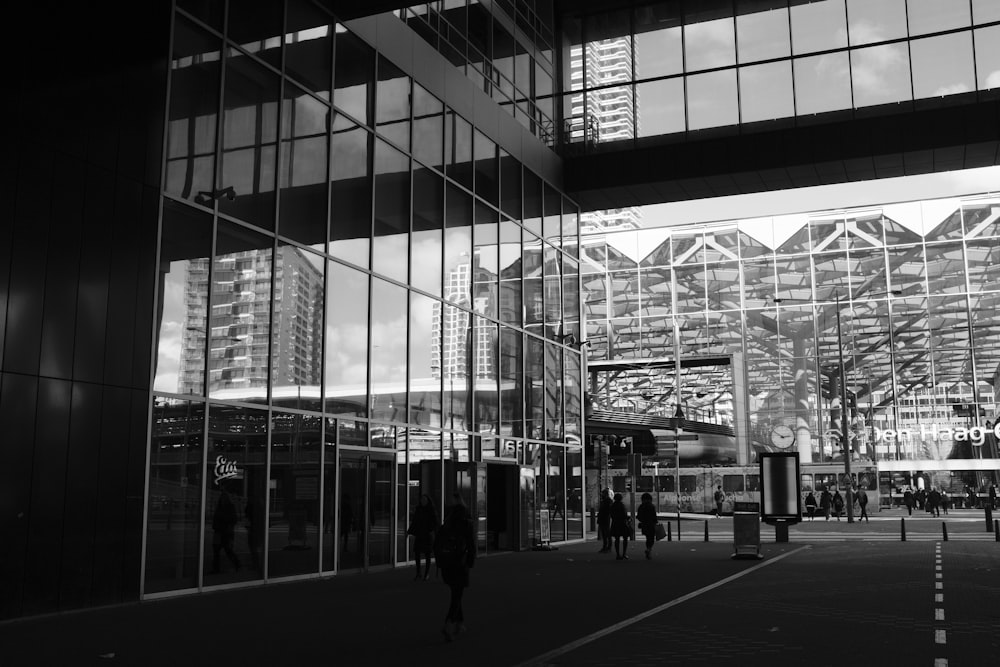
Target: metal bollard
706,530
902,529
989,517
996,529
678,529
670,531
944,530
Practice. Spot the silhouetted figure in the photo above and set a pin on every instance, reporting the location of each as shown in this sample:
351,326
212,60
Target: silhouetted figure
224,526
838,504
621,527
423,525
646,514
825,501
347,522
862,498
811,506
604,521
908,501
455,554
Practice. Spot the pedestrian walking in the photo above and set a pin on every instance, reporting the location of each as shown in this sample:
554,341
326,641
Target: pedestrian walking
945,500
825,501
604,521
646,514
720,498
838,504
455,554
920,497
934,502
862,497
423,525
811,506
972,498
621,527
908,501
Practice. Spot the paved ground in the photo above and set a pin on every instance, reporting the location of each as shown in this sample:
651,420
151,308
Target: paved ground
835,594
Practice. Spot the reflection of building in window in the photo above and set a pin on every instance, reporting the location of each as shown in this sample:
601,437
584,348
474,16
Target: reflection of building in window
241,303
451,330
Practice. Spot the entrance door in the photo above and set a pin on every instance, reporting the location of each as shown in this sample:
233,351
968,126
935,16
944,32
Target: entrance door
365,520
526,506
501,506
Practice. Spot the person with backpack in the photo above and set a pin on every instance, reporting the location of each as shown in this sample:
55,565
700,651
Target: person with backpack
811,506
604,521
838,504
825,501
455,554
646,514
862,498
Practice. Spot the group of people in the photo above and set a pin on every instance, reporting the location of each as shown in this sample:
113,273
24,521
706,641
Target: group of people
834,503
615,524
932,501
452,543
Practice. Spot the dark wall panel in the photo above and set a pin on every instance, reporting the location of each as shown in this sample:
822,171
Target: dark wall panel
62,271
27,268
112,491
122,294
145,280
48,497
8,182
92,293
17,414
136,493
77,567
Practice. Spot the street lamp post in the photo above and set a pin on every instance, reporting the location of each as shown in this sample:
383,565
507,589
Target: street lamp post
845,430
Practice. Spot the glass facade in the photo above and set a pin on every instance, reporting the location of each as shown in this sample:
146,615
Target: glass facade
361,301
671,67
891,308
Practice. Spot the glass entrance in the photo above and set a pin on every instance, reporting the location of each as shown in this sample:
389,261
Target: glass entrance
365,513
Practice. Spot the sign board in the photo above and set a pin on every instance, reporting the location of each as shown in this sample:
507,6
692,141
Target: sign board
746,535
780,499
543,522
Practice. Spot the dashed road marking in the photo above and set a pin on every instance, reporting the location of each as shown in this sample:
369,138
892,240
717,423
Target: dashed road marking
941,662
939,597
939,614
940,637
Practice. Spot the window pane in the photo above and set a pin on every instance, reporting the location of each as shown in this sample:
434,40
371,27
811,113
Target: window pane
425,360
762,35
392,212
354,70
881,75
712,100
510,273
392,104
194,101
346,364
457,245
822,83
710,44
660,107
297,329
428,221
249,137
658,47
388,353
936,15
307,46
458,148
766,92
428,127
942,65
293,547
487,182
241,311
351,195
873,21
988,57
183,328
303,178
985,11
818,26
257,28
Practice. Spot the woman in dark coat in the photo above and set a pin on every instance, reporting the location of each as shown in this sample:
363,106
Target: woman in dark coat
620,527
422,527
604,521
825,500
646,514
455,557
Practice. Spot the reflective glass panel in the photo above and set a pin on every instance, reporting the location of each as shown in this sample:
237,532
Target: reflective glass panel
762,32
658,46
936,15
257,28
510,273
712,100
308,44
392,104
346,365
249,138
174,514
293,544
942,65
297,329
354,72
303,171
660,108
555,469
511,382
510,185
484,341
988,57
185,250
766,92
485,270
192,114
391,237
240,317
881,75
458,246
534,383
710,44
428,220
822,83
351,195
487,170
818,26
388,350
985,11
428,127
871,21
458,149
455,366
425,360
236,487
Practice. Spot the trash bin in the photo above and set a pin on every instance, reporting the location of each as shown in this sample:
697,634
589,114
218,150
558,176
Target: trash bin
746,535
